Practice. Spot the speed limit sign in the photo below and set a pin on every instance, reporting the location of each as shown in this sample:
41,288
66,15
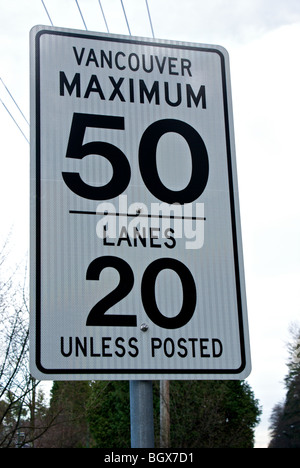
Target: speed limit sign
136,254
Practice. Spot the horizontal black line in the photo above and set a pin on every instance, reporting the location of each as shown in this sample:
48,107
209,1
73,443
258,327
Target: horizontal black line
140,371
140,215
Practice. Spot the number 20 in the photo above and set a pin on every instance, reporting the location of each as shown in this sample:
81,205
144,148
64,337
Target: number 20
97,315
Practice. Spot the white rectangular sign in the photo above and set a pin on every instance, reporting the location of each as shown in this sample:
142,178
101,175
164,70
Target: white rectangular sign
136,253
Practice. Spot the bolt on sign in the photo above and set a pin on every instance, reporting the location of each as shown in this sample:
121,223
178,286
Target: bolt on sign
136,253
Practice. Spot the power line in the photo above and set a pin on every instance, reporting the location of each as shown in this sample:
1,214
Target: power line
149,15
14,121
103,16
47,12
49,17
126,17
81,14
14,101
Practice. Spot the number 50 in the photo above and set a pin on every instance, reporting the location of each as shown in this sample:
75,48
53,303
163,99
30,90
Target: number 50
147,159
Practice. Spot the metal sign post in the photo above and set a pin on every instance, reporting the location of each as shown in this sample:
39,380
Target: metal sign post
141,414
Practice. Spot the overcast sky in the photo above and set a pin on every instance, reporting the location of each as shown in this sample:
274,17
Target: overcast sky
262,38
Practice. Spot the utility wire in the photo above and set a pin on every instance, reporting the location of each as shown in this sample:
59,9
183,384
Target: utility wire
14,101
14,121
103,16
49,17
81,14
47,12
126,17
149,15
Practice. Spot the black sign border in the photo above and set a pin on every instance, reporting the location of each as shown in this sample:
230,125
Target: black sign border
163,372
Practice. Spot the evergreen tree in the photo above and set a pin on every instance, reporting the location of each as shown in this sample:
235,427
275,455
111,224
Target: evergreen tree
109,414
203,414
217,414
68,411
285,418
